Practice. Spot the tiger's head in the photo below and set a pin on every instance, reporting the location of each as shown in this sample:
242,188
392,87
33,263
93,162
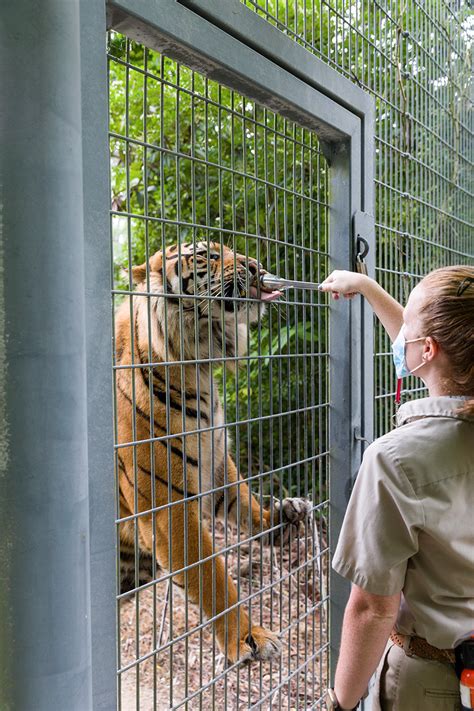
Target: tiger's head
208,282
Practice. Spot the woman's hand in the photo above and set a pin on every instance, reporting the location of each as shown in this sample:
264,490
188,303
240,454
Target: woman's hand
345,283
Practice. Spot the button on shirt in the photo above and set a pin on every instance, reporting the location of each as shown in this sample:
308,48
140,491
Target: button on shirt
409,525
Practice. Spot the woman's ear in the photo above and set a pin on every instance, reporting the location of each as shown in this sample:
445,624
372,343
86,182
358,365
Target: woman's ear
430,349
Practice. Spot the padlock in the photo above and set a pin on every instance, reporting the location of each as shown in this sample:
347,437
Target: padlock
361,266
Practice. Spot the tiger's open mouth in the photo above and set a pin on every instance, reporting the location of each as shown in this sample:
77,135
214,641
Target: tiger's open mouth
258,291
254,290
263,294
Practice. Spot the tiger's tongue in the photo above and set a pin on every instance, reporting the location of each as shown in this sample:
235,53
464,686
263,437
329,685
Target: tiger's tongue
269,296
264,295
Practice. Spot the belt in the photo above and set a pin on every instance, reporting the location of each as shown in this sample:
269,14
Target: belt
419,647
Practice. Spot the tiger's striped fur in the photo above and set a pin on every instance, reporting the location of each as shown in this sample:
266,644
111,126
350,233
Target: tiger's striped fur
173,400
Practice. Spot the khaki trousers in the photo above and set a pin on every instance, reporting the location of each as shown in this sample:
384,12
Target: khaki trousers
412,684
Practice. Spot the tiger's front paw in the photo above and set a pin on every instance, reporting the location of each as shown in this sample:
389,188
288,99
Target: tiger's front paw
290,513
259,645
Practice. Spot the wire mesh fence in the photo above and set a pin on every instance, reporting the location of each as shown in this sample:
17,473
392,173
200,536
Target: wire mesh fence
221,393
221,389
415,58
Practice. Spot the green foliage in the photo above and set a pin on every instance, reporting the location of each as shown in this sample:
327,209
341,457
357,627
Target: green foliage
205,163
275,396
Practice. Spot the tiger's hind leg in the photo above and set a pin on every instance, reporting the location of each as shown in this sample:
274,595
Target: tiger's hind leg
129,563
136,566
206,582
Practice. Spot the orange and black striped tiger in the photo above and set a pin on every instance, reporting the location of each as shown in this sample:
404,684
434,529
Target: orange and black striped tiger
156,401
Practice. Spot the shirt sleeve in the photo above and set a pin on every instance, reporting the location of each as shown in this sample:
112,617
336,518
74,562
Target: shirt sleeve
380,530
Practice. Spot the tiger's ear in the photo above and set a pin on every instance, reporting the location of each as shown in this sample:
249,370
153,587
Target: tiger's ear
139,273
156,263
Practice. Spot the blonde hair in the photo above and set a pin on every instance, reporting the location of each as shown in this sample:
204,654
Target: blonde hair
447,315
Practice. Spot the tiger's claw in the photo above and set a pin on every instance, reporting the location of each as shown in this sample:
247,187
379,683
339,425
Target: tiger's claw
260,645
290,513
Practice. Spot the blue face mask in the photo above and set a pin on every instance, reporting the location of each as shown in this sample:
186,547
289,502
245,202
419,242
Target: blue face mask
399,359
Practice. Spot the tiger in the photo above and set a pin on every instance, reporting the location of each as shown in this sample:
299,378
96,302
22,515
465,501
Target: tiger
166,469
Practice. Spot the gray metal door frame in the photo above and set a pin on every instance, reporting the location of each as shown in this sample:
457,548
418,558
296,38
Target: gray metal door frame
61,244
231,45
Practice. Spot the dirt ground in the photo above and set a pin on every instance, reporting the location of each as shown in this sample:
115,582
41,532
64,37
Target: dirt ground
187,668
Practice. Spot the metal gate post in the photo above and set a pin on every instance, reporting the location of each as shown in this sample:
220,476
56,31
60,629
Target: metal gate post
340,338
46,350
97,260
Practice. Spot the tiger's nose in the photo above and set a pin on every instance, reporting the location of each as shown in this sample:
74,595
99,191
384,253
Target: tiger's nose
253,268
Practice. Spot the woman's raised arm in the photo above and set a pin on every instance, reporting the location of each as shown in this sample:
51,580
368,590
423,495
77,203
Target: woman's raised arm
347,283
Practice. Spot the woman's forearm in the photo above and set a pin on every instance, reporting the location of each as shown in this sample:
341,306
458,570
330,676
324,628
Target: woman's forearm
365,633
389,311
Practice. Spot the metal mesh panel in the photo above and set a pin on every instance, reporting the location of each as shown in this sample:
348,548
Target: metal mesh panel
196,168
416,60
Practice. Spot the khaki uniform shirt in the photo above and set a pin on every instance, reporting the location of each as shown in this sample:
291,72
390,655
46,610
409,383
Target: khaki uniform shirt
409,525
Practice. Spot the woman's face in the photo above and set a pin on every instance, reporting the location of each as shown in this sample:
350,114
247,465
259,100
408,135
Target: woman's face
412,328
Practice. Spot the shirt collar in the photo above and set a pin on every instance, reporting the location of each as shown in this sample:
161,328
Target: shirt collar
443,406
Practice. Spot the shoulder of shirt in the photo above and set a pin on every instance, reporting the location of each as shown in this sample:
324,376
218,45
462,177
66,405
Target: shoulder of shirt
385,462
386,449
416,453
417,416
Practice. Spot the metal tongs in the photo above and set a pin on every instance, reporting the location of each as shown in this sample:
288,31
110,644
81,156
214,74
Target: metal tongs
270,281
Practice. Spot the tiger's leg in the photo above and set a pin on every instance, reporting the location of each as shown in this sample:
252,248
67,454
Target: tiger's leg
130,556
207,583
245,509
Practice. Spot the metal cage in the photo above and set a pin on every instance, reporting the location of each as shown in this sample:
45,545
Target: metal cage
197,166
206,154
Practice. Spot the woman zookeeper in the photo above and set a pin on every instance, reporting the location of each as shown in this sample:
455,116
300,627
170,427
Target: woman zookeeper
407,541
